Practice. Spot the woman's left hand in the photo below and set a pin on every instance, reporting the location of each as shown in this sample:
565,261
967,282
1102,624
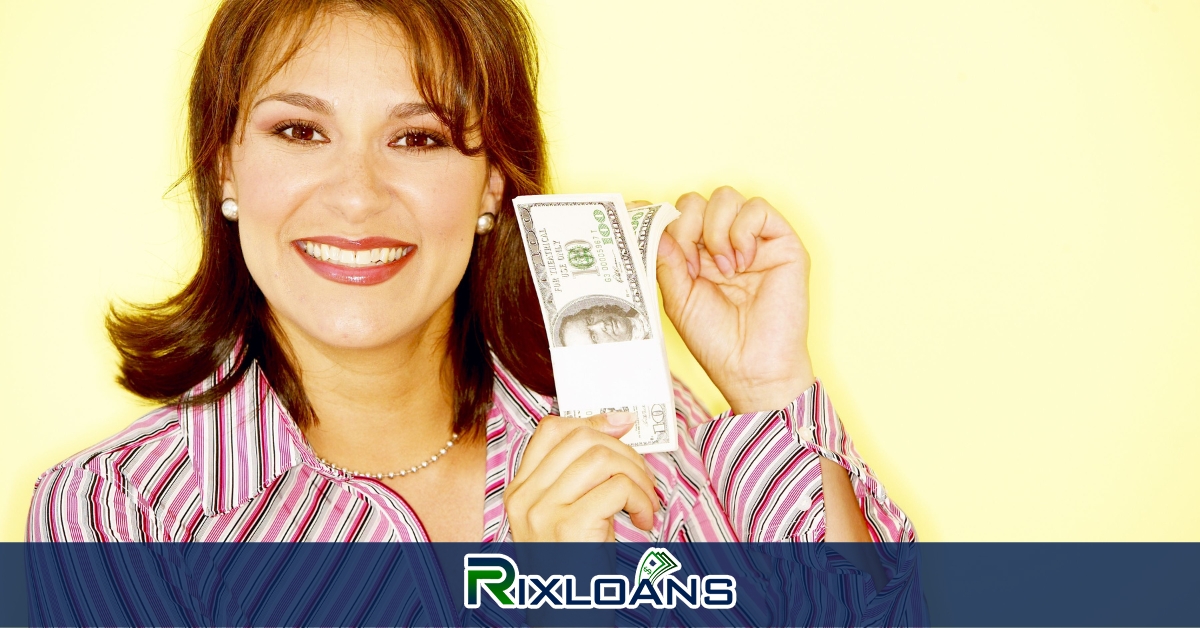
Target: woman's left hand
734,278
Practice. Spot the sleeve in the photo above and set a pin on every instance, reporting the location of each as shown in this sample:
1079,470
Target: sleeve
756,478
74,504
765,472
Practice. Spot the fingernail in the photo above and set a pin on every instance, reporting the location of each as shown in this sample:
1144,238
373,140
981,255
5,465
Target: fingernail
723,265
619,419
741,260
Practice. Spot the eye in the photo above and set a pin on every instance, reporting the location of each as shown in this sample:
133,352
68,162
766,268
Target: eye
419,139
299,132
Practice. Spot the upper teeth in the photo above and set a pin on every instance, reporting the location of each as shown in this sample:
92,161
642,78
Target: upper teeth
346,257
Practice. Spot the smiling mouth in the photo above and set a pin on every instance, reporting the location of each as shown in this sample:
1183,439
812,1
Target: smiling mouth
364,258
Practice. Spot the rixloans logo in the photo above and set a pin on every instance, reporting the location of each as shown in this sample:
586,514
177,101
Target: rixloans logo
654,583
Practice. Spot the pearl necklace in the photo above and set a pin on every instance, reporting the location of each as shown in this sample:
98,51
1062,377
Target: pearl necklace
394,474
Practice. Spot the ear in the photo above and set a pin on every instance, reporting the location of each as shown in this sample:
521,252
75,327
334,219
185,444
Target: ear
228,185
493,191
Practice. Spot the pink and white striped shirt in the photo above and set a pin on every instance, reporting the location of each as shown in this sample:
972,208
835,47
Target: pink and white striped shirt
239,469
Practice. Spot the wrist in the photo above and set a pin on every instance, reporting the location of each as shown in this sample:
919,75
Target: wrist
773,395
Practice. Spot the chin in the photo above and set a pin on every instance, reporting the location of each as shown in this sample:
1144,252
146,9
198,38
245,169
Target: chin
360,321
357,330
371,333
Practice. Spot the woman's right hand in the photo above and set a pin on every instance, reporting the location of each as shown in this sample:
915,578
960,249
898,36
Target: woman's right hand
574,477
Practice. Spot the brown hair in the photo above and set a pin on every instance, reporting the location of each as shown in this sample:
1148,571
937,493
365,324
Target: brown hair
475,63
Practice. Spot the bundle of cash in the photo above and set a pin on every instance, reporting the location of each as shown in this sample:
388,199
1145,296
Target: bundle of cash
593,262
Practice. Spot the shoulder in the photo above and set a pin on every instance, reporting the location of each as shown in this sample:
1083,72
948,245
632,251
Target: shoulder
117,457
112,478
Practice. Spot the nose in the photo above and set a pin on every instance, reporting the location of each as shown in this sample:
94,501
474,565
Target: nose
357,188
598,327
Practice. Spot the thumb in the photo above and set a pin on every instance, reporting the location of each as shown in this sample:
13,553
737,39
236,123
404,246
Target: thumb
614,424
674,276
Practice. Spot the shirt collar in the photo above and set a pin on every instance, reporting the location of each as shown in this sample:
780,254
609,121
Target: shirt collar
242,442
521,407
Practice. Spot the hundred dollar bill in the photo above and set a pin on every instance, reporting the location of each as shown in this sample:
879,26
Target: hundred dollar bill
594,272
647,224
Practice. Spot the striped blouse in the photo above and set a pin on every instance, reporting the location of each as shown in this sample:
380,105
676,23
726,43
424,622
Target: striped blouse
238,469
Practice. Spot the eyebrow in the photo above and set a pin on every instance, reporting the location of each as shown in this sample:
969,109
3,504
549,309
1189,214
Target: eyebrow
322,106
411,110
312,103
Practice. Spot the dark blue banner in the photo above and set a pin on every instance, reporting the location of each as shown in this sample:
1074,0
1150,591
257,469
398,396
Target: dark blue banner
268,584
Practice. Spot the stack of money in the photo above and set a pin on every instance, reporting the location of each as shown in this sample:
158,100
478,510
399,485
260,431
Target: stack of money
593,263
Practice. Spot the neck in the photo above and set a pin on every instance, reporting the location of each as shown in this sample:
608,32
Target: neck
380,408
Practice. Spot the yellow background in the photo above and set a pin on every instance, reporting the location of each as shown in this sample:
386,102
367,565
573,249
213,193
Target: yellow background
1001,199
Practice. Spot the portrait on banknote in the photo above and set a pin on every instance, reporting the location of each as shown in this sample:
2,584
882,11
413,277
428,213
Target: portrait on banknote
599,319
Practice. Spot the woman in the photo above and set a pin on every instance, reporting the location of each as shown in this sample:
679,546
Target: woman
359,356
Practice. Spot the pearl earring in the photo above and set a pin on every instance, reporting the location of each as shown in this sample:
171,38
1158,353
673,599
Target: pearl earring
229,208
485,223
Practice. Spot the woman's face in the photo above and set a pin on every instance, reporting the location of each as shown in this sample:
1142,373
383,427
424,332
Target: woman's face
356,215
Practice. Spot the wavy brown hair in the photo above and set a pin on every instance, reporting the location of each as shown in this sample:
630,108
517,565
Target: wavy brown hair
475,63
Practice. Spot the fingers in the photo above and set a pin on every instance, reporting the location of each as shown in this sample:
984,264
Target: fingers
674,275
719,214
705,224
580,462
727,226
551,430
759,222
749,225
614,495
687,230
551,497
589,472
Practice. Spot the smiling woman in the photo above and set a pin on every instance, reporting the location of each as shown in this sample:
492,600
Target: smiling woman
262,144
360,356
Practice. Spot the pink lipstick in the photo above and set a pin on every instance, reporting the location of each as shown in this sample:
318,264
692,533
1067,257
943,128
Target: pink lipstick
364,262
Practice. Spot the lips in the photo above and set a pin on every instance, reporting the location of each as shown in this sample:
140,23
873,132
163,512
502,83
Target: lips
364,262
